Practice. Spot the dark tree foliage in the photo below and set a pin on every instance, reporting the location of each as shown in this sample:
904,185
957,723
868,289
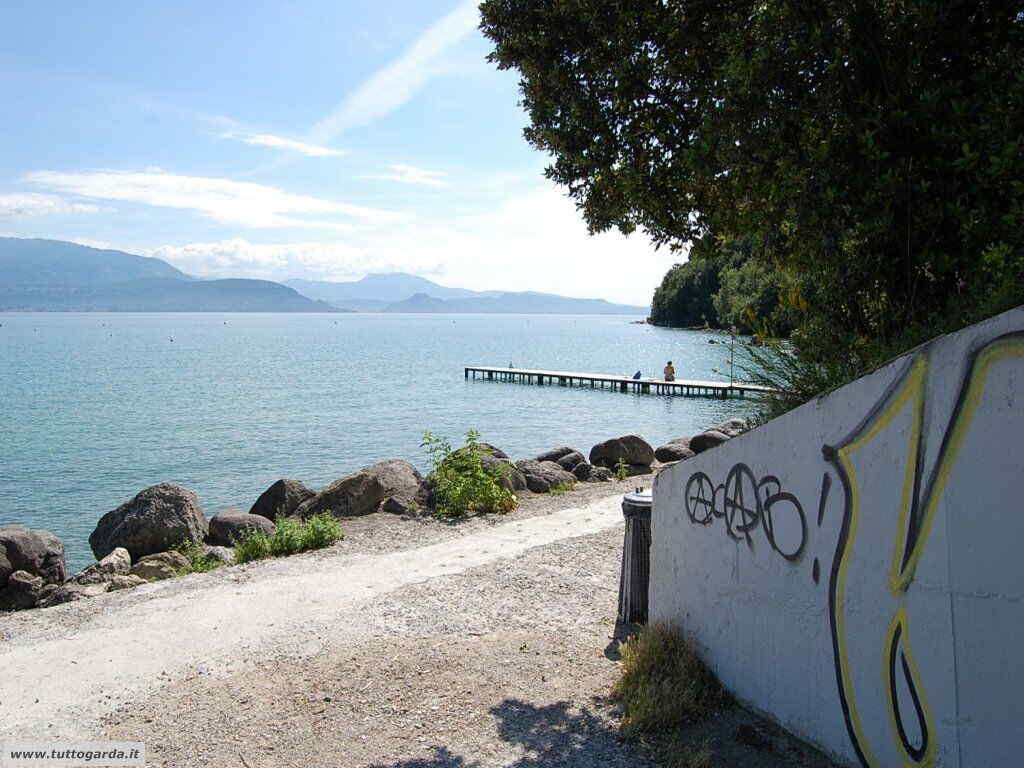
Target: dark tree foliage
874,147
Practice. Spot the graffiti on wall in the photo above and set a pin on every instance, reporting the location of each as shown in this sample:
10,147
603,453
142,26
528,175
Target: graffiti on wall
908,736
883,689
745,503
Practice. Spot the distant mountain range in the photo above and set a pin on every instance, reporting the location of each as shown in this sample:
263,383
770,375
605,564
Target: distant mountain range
56,276
399,292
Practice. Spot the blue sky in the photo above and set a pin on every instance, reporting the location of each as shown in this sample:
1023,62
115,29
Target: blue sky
319,139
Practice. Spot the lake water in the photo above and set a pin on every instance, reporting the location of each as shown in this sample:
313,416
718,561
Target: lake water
96,407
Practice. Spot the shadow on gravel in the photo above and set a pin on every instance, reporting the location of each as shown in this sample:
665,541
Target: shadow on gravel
547,736
622,631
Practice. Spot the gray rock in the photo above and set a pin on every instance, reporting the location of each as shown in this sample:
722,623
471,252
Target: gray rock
405,492
36,552
583,471
493,451
570,461
162,565
632,449
676,450
155,520
588,473
393,486
225,555
542,476
125,582
556,454
22,591
705,440
732,427
117,563
228,526
281,499
503,471
70,592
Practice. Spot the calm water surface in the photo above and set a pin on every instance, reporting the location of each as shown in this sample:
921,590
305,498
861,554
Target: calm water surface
95,407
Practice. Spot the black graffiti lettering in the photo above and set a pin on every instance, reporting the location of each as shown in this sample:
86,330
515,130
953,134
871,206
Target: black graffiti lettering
745,503
700,499
769,523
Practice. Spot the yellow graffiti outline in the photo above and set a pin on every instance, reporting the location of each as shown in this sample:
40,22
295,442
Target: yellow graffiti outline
900,620
900,575
913,386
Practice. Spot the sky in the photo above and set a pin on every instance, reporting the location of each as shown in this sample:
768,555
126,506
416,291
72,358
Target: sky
322,140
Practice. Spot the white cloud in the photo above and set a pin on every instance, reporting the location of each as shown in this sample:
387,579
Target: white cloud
410,174
396,83
34,204
277,142
223,200
237,257
533,242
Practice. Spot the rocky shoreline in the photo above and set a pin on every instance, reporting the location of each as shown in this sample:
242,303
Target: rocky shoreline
136,543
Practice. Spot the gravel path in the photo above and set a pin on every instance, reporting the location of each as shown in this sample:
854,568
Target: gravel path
67,666
411,644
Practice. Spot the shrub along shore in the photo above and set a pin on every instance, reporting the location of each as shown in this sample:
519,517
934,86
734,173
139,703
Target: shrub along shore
162,532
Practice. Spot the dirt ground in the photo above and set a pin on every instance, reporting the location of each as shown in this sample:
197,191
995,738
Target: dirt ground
506,664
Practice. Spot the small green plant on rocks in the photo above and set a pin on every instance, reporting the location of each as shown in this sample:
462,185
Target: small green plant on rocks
621,469
290,536
461,482
198,560
561,488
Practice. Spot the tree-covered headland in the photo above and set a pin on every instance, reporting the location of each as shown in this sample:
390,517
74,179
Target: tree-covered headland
854,170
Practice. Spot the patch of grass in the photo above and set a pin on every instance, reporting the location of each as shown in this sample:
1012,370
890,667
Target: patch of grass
198,560
621,469
290,537
663,684
561,488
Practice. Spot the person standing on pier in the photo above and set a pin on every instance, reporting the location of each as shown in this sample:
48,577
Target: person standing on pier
670,372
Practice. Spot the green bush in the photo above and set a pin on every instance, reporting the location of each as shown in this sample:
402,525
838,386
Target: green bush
198,560
461,483
290,537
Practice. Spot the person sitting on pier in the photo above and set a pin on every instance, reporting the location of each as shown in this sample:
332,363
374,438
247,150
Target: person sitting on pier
636,376
670,372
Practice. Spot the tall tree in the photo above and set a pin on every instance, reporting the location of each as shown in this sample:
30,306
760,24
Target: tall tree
875,148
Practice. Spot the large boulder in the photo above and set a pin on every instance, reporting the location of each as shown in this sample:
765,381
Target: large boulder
555,454
705,440
281,499
157,519
22,591
391,486
117,563
676,450
732,427
542,476
490,449
161,565
37,552
570,461
632,449
588,473
232,524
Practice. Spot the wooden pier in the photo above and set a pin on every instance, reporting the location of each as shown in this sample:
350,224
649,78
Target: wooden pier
684,387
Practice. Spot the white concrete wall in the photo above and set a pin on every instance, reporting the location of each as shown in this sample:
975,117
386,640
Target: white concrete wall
892,597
